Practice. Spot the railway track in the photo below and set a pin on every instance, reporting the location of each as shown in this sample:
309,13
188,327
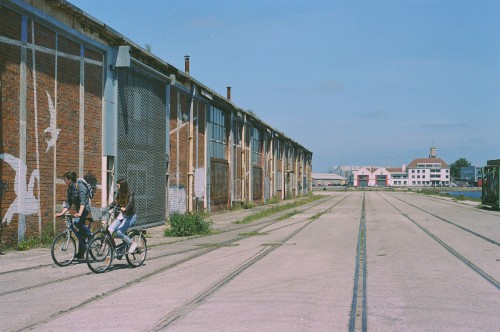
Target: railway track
190,305
231,237
443,243
358,316
351,217
450,222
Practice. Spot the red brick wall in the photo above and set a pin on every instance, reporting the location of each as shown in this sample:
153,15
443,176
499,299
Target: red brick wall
180,165
42,89
10,26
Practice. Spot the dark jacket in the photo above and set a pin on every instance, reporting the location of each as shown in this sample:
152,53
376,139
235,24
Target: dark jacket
129,208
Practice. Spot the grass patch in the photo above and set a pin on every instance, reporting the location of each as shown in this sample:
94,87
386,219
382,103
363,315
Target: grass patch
248,205
466,198
273,200
272,244
279,208
317,215
253,233
188,224
217,245
43,241
288,215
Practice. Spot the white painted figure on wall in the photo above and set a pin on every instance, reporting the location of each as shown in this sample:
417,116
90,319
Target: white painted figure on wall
25,202
52,129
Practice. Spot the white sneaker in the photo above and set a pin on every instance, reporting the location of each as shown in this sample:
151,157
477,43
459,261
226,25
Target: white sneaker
132,248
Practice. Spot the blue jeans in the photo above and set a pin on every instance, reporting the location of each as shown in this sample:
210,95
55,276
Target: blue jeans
81,230
121,227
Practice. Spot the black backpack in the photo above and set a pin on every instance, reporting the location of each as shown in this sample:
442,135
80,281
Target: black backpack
89,187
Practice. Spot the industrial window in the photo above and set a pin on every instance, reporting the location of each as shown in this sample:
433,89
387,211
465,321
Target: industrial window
279,155
237,135
256,147
218,139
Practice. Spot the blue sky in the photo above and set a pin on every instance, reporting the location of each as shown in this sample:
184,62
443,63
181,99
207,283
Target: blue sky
355,82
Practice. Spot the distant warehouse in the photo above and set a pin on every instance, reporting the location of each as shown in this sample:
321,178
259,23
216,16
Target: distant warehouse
326,180
79,96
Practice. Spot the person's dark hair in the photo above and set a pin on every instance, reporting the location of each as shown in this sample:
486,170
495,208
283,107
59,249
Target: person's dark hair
91,180
123,193
70,176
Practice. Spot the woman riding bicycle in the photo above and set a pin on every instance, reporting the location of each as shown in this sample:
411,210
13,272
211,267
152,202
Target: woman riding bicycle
126,216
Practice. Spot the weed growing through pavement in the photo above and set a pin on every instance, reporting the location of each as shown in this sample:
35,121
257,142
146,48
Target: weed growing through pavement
43,241
278,208
188,224
253,233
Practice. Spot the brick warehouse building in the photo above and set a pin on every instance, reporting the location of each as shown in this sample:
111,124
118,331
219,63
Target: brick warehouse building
78,96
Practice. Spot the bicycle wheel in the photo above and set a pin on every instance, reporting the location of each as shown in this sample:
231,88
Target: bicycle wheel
63,249
138,257
99,254
98,233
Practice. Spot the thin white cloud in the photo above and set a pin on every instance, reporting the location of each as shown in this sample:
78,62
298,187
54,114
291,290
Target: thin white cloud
456,125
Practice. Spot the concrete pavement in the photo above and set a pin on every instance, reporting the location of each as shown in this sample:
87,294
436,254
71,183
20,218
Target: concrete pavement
290,275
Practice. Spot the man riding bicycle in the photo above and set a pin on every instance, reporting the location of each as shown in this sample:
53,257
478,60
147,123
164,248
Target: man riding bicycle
78,196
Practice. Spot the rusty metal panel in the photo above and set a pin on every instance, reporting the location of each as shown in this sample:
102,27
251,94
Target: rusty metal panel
257,182
219,187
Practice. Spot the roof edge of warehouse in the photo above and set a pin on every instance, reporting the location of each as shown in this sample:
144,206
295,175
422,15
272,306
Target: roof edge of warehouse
98,31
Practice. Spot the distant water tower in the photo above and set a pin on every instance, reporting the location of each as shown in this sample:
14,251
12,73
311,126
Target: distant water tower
432,153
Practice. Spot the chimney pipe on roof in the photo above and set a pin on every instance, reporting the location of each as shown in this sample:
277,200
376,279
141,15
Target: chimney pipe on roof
228,93
186,64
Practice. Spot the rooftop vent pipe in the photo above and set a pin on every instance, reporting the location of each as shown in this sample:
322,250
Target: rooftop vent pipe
228,93
186,64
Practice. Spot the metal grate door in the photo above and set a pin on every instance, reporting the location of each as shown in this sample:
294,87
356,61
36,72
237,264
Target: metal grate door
141,147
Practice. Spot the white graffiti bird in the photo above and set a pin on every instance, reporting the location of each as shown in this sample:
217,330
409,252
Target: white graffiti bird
25,203
52,130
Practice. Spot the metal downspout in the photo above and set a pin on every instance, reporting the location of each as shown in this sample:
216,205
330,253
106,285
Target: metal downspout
190,193
243,168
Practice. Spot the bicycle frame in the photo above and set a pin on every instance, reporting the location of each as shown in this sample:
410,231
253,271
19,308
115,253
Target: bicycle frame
68,231
63,249
102,251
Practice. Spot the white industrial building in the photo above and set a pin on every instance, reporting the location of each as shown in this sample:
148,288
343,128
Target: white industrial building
328,179
421,172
